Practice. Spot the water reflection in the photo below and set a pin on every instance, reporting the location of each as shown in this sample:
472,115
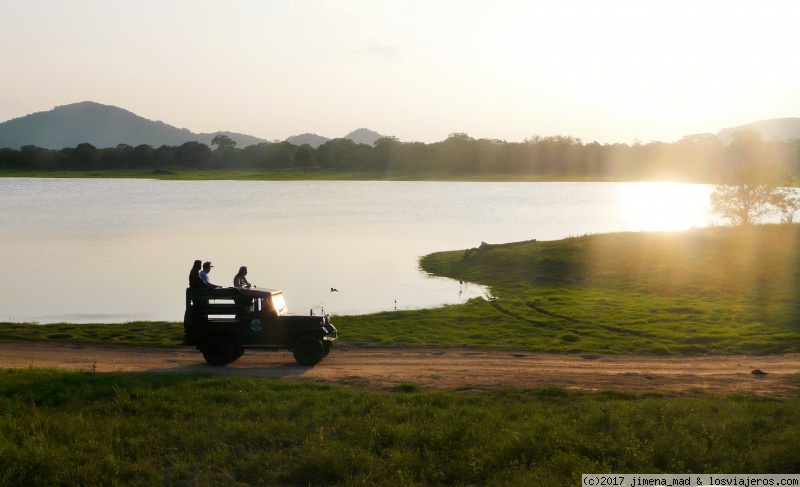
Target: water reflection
664,206
120,250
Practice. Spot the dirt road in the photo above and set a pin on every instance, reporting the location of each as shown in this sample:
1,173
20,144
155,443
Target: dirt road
439,368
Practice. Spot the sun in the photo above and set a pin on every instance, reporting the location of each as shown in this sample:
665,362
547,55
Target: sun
664,206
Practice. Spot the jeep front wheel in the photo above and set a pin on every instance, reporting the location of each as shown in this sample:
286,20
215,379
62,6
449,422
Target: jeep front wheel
218,350
308,351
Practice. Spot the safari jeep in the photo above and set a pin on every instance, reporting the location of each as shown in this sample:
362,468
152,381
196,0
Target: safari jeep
223,323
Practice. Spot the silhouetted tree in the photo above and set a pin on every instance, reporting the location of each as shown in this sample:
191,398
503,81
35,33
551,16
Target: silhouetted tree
698,157
786,201
84,156
279,155
384,155
456,154
253,156
164,157
412,157
193,154
142,157
753,187
341,154
303,157
223,142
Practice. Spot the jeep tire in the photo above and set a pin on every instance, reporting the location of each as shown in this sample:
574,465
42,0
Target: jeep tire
308,350
218,350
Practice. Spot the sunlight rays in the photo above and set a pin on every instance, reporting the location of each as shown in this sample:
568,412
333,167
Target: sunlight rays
664,206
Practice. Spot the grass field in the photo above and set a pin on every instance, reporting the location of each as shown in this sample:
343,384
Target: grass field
61,428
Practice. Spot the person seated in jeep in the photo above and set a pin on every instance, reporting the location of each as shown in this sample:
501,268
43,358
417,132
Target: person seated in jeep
195,281
204,274
240,281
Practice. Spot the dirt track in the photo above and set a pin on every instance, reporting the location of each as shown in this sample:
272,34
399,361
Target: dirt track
438,368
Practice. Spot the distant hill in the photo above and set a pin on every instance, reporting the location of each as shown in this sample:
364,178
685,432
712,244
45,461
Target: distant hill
776,128
242,140
360,136
313,140
102,126
363,136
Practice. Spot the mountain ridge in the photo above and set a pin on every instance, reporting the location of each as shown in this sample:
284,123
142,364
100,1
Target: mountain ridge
108,126
359,136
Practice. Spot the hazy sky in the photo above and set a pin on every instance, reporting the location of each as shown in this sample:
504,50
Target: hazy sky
611,71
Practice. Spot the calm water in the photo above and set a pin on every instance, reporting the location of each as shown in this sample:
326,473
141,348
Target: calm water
114,250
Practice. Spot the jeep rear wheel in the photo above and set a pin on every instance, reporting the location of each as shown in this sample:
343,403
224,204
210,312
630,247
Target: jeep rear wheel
308,351
218,350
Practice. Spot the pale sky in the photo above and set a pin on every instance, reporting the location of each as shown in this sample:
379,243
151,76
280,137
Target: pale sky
610,71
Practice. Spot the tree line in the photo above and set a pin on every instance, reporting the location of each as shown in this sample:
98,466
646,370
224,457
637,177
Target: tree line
695,158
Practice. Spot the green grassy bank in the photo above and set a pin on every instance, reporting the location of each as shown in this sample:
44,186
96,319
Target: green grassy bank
714,290
59,428
723,290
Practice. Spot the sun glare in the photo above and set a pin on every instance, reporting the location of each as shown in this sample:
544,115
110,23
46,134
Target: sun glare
664,206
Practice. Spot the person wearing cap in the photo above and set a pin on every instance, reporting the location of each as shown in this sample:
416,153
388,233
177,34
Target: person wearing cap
195,279
204,273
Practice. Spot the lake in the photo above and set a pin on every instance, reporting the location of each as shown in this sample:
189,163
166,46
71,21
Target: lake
116,250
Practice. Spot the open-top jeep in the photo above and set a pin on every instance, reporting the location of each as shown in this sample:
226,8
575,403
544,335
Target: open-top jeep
223,323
